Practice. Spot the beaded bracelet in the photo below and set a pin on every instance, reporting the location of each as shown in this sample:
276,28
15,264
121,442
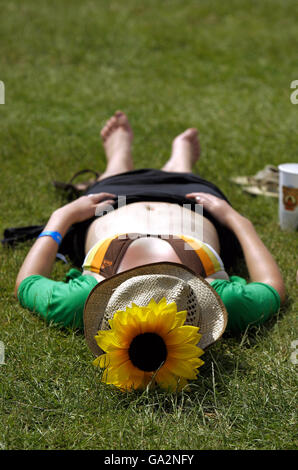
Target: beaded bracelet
55,236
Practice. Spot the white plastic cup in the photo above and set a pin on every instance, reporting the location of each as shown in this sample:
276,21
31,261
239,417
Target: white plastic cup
288,196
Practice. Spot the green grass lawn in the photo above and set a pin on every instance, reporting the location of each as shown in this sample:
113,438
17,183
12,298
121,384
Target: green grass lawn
224,67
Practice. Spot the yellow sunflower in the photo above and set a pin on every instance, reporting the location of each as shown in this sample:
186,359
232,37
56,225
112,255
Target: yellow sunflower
148,345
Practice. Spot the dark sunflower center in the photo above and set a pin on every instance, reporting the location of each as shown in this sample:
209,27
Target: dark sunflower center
147,351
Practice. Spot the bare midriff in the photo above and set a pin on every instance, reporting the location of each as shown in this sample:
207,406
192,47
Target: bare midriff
156,218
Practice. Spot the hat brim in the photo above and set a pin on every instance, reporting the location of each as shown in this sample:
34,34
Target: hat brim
213,319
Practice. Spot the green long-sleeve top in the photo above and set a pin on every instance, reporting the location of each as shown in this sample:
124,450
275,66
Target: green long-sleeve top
62,302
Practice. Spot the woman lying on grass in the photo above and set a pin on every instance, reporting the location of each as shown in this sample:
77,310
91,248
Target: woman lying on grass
156,261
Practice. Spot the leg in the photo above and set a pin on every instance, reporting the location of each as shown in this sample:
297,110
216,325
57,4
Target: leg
117,138
185,152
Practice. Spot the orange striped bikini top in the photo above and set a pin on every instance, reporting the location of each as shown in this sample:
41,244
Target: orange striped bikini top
105,256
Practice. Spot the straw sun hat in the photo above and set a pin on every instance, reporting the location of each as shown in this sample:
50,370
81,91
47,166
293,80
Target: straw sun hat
172,281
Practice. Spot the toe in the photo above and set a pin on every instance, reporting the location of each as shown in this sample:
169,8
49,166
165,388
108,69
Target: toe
192,133
112,121
117,121
121,119
104,132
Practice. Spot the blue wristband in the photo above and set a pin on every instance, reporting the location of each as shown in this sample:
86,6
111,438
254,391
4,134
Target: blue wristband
55,236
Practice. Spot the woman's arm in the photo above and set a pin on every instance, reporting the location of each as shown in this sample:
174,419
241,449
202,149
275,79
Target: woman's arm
260,263
42,255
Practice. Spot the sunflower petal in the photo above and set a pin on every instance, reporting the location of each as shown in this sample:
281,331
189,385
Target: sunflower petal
180,318
166,379
184,334
182,351
127,373
153,306
196,362
107,341
124,333
181,368
169,308
165,321
182,384
112,359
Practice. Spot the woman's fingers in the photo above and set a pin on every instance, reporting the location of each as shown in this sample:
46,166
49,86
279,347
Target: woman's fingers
106,202
191,195
100,196
200,197
105,206
197,193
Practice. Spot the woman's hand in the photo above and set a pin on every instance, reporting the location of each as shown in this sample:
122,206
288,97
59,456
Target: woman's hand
260,263
85,207
219,208
42,254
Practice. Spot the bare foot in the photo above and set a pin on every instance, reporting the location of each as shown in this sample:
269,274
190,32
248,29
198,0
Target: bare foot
185,152
117,138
